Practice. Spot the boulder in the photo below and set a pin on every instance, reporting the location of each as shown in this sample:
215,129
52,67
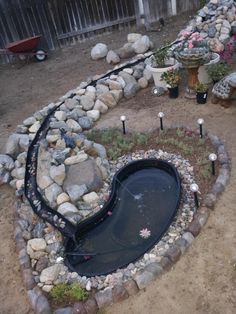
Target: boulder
215,45
86,173
127,51
52,192
37,244
99,51
62,198
67,208
112,57
131,87
141,45
93,114
108,100
29,121
51,273
133,37
99,105
86,123
60,115
73,126
58,173
6,162
87,102
76,191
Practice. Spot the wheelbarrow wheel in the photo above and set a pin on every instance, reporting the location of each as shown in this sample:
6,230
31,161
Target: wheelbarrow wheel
40,55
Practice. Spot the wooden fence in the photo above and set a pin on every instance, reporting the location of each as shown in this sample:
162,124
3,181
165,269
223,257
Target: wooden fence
62,21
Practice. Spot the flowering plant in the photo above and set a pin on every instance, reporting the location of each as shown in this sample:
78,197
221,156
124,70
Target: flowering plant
193,40
171,77
227,53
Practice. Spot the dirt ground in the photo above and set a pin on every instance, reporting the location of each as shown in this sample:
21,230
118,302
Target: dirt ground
204,280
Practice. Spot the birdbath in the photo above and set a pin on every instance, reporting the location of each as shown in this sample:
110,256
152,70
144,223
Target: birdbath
192,59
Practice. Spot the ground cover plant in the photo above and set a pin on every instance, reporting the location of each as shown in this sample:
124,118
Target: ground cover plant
179,141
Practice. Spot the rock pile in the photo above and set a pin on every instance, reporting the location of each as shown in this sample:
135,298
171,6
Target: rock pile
137,44
214,22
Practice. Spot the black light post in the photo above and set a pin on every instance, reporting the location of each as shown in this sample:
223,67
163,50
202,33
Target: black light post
194,188
161,116
200,123
122,119
212,157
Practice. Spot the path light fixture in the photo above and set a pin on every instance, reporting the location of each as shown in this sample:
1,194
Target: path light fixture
200,123
123,119
194,188
161,116
213,157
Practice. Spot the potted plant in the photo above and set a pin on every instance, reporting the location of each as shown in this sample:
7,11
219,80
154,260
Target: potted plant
172,78
203,75
201,92
161,62
217,71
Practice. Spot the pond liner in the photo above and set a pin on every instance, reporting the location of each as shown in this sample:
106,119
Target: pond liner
31,190
145,194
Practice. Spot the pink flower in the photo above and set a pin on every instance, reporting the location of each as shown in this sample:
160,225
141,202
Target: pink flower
190,45
145,233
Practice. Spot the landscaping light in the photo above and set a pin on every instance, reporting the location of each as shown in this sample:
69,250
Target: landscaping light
161,116
122,119
212,157
200,122
194,188
155,91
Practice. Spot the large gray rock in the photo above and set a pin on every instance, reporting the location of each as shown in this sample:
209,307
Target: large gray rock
86,173
58,173
52,192
67,208
133,37
86,123
29,121
99,105
112,57
142,45
6,162
51,273
12,145
87,102
131,87
99,51
73,125
76,191
127,51
108,99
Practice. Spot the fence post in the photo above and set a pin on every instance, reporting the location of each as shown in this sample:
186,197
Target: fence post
174,7
137,13
147,14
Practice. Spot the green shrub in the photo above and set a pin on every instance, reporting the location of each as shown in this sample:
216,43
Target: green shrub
64,292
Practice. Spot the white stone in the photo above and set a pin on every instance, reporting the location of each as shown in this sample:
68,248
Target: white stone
52,192
67,208
121,81
80,91
99,51
52,138
143,82
19,184
62,198
50,273
128,70
142,45
81,156
91,89
112,57
91,198
133,37
88,286
60,115
37,244
47,288
99,105
73,125
58,173
35,127
93,114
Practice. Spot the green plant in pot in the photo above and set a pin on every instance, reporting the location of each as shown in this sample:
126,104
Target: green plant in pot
201,92
172,78
161,61
218,71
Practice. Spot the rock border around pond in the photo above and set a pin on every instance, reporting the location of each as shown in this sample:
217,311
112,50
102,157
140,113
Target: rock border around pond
150,272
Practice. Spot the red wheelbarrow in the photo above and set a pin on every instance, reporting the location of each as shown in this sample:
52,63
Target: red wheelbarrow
27,47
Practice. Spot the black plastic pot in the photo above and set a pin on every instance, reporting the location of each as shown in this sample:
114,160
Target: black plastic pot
173,92
201,97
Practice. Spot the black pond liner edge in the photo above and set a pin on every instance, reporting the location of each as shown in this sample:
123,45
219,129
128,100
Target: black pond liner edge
91,222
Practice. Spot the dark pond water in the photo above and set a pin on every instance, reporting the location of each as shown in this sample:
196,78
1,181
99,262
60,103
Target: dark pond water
143,204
